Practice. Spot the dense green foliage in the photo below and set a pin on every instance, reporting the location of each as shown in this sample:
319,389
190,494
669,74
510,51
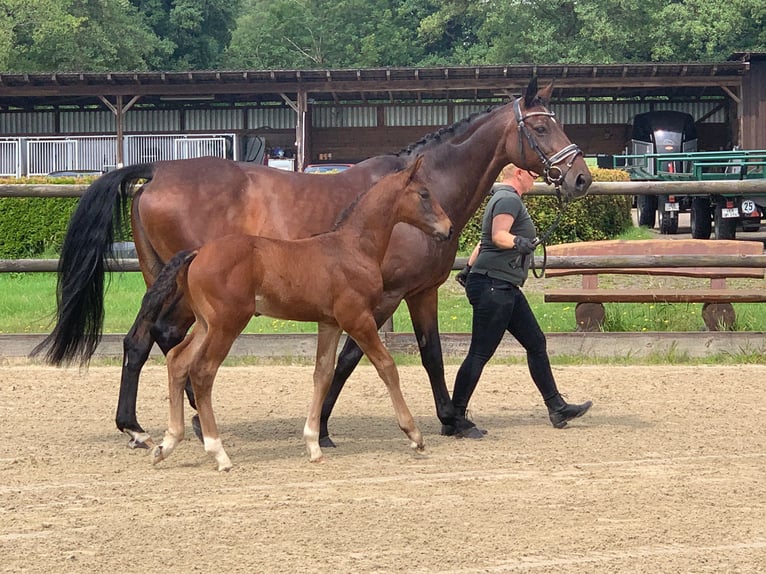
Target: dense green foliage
588,219
113,35
31,226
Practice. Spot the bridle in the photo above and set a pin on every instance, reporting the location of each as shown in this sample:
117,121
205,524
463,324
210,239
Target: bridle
552,173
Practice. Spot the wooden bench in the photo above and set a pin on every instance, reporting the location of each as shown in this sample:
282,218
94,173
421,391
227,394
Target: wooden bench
717,299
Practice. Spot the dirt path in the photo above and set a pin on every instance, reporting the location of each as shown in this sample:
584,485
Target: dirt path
666,474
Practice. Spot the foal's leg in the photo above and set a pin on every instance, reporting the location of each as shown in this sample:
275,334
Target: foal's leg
169,331
179,359
369,341
327,347
213,351
222,330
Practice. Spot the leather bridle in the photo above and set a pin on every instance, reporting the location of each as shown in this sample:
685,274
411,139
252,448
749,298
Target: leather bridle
552,173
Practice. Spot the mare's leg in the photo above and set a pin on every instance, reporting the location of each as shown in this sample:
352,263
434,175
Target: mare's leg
348,359
327,347
366,335
168,330
423,309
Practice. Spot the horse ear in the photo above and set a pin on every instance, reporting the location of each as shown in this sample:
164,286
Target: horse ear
545,93
416,166
531,92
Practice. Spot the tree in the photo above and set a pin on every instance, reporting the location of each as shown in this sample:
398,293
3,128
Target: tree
74,35
196,32
315,34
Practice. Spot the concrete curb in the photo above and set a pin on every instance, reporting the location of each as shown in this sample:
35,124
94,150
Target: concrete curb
455,345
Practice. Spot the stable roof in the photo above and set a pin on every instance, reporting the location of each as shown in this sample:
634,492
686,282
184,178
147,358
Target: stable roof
686,81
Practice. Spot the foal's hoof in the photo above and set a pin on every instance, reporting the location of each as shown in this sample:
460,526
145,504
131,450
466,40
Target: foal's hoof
326,441
197,428
158,455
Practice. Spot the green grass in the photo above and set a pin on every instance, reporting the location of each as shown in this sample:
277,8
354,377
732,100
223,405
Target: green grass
28,303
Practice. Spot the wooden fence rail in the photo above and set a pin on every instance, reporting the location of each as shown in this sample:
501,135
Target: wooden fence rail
744,187
598,188
584,262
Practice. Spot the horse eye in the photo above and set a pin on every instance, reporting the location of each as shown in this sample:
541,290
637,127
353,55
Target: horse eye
540,130
423,193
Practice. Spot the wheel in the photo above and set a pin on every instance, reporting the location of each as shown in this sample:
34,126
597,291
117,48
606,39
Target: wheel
668,219
725,227
647,210
701,218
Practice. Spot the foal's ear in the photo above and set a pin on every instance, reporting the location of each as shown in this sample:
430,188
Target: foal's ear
416,166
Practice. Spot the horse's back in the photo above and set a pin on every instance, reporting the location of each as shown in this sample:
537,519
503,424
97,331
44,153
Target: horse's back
190,202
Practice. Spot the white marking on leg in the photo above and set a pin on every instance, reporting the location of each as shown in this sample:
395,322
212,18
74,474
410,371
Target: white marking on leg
312,443
139,439
214,447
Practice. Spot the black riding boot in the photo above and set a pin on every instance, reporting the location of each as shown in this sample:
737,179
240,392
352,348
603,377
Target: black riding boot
471,431
560,412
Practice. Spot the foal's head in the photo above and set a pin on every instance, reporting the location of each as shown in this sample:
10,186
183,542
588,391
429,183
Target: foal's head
539,143
417,206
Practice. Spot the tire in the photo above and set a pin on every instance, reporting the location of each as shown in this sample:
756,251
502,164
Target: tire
647,210
725,228
668,223
701,218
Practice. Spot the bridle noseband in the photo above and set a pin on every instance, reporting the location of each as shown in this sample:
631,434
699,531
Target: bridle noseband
552,173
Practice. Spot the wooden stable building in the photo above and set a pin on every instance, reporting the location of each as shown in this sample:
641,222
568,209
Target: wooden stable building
347,115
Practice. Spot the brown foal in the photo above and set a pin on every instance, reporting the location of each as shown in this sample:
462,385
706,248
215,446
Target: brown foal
333,278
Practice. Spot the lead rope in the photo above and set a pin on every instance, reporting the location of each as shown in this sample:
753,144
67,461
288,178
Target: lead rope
542,240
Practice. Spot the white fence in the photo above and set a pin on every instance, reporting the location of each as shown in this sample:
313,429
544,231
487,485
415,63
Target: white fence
42,155
10,157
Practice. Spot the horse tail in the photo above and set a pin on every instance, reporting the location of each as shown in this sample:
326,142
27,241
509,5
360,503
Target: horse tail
165,287
102,209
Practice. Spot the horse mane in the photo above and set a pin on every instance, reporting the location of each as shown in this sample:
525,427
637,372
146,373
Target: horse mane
445,133
344,215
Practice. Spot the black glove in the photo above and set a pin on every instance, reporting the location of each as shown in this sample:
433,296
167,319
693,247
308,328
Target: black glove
523,245
462,277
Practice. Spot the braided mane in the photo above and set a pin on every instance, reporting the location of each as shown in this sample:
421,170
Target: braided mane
445,133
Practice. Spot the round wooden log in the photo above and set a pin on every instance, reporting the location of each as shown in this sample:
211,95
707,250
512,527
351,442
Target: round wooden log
718,316
590,317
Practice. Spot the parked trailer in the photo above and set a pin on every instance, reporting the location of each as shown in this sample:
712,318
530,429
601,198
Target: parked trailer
723,214
660,133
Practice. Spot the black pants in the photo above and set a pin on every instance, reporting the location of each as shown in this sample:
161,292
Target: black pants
499,306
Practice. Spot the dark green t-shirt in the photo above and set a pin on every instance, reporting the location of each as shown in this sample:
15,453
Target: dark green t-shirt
505,264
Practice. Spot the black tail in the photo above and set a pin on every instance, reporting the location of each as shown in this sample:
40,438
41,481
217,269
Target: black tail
164,288
82,266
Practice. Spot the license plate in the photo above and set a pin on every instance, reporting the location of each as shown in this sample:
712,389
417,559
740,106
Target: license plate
729,212
671,207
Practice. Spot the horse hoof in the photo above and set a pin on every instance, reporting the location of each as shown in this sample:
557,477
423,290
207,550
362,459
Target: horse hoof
318,460
139,440
157,454
197,428
136,444
225,468
418,446
326,441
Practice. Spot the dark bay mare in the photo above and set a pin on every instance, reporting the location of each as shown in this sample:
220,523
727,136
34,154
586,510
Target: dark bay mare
333,278
187,203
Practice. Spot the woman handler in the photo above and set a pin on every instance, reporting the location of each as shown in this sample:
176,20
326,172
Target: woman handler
496,271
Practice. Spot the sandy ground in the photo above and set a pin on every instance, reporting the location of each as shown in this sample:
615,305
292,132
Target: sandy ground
666,474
